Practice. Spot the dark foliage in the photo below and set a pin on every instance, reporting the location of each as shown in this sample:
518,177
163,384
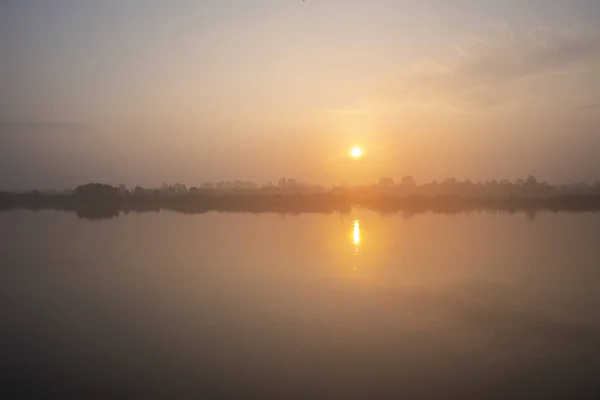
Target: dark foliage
99,201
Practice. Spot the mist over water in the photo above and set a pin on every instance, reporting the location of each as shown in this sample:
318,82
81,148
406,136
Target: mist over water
300,199
357,305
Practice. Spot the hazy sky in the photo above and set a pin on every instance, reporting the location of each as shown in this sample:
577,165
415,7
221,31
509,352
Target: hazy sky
145,91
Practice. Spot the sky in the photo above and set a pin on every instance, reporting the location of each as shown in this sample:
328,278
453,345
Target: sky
148,91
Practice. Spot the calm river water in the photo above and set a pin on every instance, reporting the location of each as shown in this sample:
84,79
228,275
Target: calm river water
311,306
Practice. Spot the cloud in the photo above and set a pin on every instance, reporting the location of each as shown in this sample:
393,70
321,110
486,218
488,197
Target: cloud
590,106
350,111
487,71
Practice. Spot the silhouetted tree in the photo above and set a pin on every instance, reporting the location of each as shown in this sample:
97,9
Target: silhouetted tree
96,191
385,182
449,182
139,191
408,181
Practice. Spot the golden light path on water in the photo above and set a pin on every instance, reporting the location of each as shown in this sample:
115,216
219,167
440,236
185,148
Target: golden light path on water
356,236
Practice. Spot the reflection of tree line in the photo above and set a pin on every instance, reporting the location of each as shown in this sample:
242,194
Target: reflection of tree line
98,201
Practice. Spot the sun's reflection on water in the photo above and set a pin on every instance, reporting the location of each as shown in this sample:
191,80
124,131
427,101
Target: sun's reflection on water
356,236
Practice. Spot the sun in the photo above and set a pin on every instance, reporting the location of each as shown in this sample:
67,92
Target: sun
356,152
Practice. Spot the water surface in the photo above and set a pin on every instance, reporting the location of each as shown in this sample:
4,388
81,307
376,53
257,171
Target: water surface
480,305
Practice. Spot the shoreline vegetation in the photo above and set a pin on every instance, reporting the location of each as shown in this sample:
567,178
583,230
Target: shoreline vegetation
101,201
